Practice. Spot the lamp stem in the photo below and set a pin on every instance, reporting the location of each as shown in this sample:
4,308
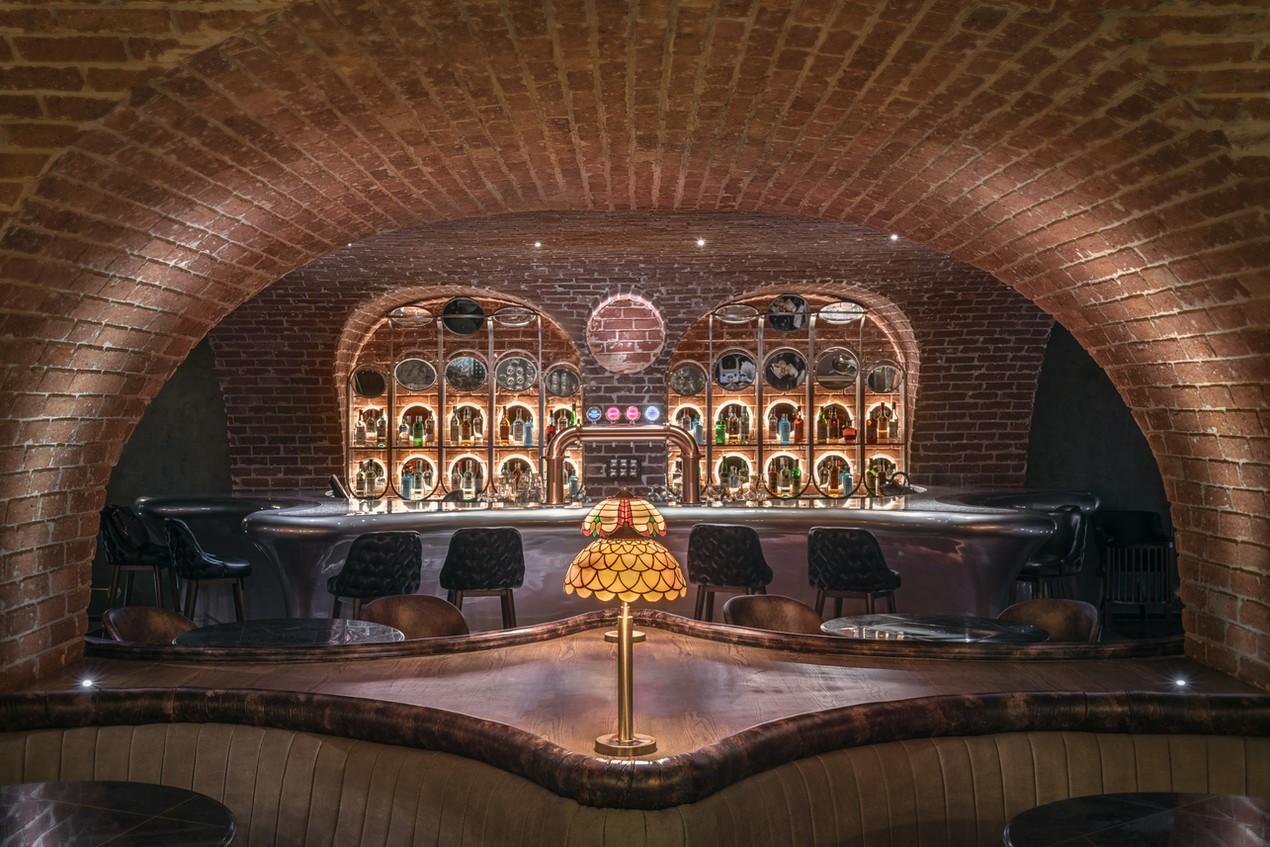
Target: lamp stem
625,676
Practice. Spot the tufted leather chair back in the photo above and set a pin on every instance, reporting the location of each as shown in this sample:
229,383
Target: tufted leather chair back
124,539
188,557
727,554
484,559
1066,547
144,624
841,559
771,612
417,615
1064,620
380,564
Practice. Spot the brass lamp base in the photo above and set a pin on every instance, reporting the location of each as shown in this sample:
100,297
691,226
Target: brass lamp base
636,745
613,636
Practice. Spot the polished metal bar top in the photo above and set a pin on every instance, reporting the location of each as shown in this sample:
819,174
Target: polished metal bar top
290,632
960,629
1163,819
91,813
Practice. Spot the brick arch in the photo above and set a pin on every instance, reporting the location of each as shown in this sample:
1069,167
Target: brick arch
1037,145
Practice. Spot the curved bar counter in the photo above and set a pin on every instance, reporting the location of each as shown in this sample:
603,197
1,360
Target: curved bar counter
953,557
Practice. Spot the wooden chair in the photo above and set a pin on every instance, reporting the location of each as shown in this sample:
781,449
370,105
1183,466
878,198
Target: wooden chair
772,612
144,624
1064,620
417,615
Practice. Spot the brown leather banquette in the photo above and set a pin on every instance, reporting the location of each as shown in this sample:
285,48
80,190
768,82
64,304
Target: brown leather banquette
294,787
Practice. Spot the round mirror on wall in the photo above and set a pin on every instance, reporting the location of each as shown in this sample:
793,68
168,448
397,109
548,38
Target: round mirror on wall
463,316
884,378
841,312
465,373
563,382
415,374
785,370
368,382
516,373
688,378
836,369
410,316
736,313
514,316
787,313
735,371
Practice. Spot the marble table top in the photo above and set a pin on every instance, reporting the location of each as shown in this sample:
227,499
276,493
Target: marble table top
958,628
86,814
290,632
1144,820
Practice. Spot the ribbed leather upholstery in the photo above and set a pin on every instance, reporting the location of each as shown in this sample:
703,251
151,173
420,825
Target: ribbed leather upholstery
847,560
124,539
289,788
771,612
727,554
193,562
484,559
380,564
417,615
144,624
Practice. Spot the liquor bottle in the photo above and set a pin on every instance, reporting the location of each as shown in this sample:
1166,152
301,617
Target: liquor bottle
884,425
833,426
773,477
871,431
822,426
528,431
849,432
734,427
895,423
407,484
359,432
416,437
785,480
845,482
720,431
465,427
784,428
772,426
518,429
551,431
429,429
478,427
505,428
698,434
799,426
745,426
360,486
422,480
573,415
573,486
381,431
455,427
403,432
469,481
734,478
796,478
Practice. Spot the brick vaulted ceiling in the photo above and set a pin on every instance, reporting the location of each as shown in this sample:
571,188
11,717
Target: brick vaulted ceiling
1110,160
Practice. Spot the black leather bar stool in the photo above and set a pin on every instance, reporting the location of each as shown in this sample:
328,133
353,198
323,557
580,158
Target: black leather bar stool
725,558
848,563
485,562
1061,558
194,566
378,564
128,548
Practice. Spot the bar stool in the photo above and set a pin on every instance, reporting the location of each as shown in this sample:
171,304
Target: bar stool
1061,558
126,543
848,563
485,562
378,564
725,558
194,566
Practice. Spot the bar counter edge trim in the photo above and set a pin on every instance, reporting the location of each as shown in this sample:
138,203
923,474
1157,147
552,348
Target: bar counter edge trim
722,633
655,783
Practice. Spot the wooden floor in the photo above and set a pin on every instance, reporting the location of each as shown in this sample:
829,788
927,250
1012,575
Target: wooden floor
690,691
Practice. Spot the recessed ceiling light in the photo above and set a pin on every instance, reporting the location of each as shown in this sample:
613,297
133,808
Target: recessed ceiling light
1179,682
537,244
894,237
701,242
86,683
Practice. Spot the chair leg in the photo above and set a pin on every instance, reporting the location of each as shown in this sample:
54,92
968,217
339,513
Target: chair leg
239,602
868,602
357,608
335,607
509,608
174,590
890,601
114,589
158,586
191,599
820,602
127,587
762,589
699,611
837,607
710,605
458,599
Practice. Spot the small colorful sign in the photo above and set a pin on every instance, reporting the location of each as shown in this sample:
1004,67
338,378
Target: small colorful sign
613,414
632,413
652,414
594,414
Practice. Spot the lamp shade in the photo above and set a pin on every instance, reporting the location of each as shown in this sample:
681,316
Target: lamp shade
625,510
626,566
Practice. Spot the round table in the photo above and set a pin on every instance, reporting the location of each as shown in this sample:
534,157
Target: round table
86,814
290,632
951,628
1144,820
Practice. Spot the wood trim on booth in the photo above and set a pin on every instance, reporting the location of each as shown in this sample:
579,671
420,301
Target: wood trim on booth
654,783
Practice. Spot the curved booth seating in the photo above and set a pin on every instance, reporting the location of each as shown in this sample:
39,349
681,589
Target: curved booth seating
771,612
144,624
1064,620
291,787
195,566
728,558
126,543
485,562
378,564
848,563
417,615
1061,557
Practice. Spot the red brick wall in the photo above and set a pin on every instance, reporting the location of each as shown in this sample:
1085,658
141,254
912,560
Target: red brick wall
974,346
1105,159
